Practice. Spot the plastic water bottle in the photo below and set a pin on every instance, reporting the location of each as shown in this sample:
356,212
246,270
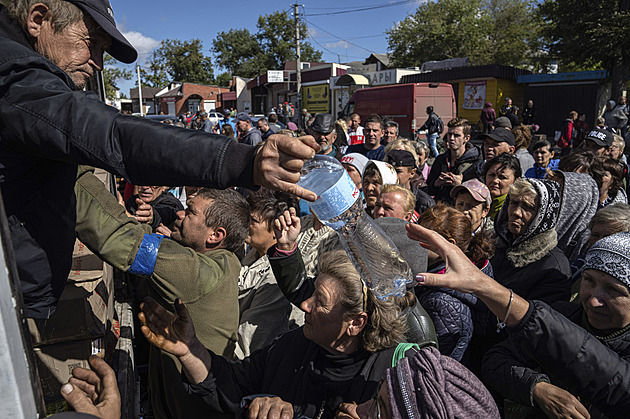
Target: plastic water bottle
339,205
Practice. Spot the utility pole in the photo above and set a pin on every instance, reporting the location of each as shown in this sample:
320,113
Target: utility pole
140,90
298,61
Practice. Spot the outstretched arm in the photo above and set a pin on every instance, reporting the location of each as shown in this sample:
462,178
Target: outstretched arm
462,275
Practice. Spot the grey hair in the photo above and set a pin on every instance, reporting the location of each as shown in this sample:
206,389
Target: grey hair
63,13
522,188
405,144
421,146
385,326
615,216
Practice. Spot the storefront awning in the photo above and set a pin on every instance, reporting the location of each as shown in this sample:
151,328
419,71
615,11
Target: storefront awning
352,80
228,96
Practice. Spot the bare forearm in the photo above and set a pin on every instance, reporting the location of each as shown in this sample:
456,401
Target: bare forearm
497,298
196,363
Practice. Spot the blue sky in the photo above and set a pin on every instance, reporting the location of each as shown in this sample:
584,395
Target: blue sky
342,36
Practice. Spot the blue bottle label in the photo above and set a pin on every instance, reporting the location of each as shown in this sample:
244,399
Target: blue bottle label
336,200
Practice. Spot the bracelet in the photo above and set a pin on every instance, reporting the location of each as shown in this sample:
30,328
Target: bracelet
501,324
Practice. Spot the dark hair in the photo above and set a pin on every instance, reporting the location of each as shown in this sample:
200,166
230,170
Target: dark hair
270,204
522,136
227,130
263,120
612,166
460,122
230,211
540,144
372,170
582,160
273,118
505,161
374,119
429,109
453,224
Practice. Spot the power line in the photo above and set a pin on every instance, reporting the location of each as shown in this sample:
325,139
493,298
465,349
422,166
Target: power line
363,9
335,36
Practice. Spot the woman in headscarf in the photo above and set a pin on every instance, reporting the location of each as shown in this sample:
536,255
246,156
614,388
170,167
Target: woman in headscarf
527,258
587,356
580,197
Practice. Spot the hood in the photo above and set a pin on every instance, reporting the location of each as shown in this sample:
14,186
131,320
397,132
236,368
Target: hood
471,155
580,197
612,104
549,192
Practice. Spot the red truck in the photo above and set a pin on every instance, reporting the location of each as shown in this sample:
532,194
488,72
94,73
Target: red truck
404,103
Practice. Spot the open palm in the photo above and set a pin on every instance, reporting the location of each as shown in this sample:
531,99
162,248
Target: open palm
173,334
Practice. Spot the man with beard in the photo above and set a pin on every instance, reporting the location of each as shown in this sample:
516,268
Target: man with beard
198,266
323,129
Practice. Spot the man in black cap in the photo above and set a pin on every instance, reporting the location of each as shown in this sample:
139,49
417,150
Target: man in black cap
247,134
405,164
48,53
598,141
497,142
323,129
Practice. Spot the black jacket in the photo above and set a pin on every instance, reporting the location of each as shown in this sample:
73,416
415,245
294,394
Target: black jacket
48,127
431,125
442,164
423,199
552,346
165,208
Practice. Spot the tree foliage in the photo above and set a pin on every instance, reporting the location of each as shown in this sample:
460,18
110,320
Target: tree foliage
485,31
224,79
113,74
176,60
595,33
247,55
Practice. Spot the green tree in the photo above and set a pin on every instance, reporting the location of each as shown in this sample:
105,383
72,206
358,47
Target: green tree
176,60
485,31
224,79
247,55
597,33
113,74
237,50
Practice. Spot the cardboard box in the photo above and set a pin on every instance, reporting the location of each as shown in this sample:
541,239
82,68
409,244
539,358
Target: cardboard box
56,362
86,307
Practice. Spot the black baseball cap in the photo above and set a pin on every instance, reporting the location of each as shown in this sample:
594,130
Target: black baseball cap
500,135
323,123
401,158
601,137
102,13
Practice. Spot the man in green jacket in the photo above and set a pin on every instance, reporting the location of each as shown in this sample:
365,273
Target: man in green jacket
198,265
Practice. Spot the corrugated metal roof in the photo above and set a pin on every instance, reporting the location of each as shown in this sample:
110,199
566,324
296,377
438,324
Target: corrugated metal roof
475,72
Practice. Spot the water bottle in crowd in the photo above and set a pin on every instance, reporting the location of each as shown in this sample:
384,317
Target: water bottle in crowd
340,206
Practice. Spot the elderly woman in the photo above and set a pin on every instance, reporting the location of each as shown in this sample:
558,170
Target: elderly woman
375,175
340,354
527,258
587,356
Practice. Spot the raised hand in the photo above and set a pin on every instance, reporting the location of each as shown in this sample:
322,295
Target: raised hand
144,213
278,163
173,334
287,229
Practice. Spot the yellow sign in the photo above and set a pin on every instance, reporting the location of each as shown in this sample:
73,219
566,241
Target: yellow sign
316,99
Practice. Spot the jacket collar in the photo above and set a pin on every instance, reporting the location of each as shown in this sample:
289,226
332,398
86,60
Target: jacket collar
531,250
9,28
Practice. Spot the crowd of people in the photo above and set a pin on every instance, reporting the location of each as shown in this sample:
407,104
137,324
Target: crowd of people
254,300
520,247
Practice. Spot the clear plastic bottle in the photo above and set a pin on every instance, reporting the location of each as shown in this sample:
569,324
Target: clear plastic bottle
339,205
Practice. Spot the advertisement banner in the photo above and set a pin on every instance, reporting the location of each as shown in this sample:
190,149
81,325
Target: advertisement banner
316,99
474,94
